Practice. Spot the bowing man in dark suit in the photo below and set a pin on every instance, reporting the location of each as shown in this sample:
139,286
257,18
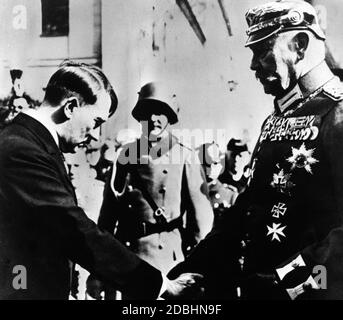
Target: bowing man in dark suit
42,229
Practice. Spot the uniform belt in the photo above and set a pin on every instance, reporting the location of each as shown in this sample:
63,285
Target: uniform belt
144,229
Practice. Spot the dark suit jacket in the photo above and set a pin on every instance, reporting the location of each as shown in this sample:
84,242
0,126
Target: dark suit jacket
43,229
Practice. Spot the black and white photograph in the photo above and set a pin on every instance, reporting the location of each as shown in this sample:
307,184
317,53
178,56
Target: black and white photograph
185,153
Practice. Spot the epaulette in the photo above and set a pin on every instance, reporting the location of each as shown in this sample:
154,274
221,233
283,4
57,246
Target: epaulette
334,89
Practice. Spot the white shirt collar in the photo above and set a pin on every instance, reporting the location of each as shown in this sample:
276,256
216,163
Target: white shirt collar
45,121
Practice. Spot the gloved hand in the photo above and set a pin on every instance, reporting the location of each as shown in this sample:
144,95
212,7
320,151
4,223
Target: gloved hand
95,288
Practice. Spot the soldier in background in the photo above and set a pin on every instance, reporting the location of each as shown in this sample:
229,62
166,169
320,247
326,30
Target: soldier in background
237,157
156,201
18,100
222,195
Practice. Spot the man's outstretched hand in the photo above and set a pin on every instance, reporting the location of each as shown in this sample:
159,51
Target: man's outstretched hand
185,286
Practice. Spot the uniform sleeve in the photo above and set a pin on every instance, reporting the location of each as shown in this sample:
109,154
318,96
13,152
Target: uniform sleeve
199,210
31,178
328,253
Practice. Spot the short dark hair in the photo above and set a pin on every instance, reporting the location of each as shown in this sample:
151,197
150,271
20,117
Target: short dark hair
80,79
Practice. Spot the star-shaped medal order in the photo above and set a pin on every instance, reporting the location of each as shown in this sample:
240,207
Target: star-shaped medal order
302,158
276,230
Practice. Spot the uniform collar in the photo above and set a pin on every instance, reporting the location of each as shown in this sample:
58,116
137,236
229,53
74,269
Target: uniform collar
162,146
212,183
306,85
289,99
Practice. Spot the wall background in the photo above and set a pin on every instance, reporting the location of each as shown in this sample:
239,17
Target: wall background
200,74
137,41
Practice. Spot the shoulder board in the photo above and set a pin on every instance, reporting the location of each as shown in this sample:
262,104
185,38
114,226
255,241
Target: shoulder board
334,90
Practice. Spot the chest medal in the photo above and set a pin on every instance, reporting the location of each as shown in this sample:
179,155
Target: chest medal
302,158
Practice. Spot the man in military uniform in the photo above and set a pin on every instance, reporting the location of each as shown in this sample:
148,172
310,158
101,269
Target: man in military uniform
17,101
289,219
156,200
236,159
222,195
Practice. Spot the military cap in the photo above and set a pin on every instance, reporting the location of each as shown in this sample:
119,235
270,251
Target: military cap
155,97
236,145
16,74
280,16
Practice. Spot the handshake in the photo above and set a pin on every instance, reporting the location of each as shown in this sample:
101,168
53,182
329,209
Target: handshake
185,286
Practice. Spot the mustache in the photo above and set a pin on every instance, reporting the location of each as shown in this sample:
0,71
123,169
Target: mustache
156,124
261,75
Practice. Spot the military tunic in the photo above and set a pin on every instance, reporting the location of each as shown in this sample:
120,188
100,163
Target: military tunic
293,205
289,220
169,175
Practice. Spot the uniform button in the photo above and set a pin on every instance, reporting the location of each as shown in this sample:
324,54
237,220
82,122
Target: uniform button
127,243
130,206
165,171
248,213
241,261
